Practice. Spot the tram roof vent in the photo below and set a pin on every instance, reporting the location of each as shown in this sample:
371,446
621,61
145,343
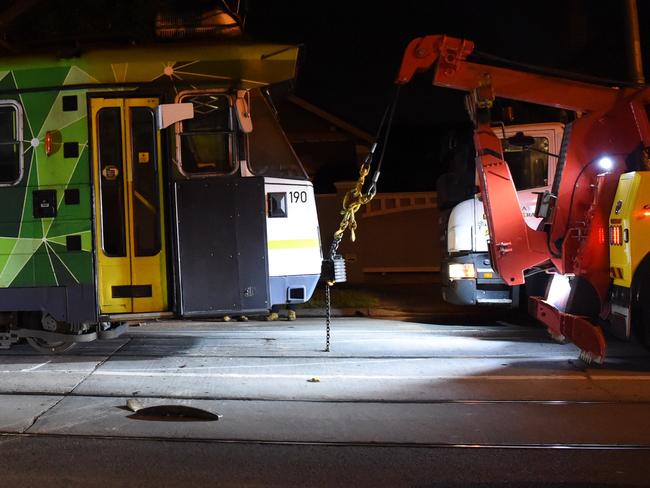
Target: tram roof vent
213,23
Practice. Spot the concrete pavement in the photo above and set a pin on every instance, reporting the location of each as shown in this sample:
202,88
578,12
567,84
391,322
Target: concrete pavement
389,384
385,366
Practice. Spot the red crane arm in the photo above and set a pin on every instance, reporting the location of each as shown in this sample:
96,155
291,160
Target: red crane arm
448,58
615,124
513,245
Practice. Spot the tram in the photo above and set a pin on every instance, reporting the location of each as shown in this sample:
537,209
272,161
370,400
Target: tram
144,183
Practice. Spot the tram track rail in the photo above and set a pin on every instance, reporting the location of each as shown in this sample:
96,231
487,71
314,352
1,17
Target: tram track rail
406,445
355,401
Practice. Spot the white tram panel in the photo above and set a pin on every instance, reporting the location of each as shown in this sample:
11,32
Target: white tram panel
293,240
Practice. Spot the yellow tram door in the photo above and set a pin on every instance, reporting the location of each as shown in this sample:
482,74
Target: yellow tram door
129,220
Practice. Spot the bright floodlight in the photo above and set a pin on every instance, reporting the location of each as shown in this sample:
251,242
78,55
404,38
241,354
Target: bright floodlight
606,163
558,291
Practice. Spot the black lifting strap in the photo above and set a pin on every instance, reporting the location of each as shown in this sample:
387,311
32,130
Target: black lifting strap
333,269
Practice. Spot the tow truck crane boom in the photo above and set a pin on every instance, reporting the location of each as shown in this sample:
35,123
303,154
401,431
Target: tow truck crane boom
447,56
572,239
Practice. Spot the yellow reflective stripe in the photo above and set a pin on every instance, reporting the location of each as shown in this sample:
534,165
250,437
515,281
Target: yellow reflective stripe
293,243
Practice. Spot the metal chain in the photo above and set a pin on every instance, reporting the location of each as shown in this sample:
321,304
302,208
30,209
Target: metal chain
328,315
356,198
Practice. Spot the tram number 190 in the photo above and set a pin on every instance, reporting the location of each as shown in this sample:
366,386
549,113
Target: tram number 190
298,196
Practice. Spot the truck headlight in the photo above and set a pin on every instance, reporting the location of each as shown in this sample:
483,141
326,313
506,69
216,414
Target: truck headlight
459,271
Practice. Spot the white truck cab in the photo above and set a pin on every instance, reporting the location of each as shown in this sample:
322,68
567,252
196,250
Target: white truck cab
467,274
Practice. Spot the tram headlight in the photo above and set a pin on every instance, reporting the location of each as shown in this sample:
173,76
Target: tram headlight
458,271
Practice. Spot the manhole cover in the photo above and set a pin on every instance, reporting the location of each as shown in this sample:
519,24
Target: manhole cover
182,413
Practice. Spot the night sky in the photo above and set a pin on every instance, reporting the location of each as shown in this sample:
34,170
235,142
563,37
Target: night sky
352,50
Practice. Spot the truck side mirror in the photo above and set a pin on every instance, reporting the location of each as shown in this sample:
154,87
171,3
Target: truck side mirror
521,140
170,113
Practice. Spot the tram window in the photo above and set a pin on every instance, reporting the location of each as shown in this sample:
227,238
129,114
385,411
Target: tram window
11,135
109,129
146,197
271,153
205,142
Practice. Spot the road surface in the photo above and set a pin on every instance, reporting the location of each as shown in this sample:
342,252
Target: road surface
395,403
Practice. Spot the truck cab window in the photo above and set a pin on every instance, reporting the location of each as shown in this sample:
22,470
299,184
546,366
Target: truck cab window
205,142
11,135
528,166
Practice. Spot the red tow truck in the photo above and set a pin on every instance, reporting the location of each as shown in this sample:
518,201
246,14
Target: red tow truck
594,235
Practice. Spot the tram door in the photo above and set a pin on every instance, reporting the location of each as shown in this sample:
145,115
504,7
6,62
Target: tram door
129,233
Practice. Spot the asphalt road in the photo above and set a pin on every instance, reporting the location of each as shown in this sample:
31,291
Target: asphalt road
393,404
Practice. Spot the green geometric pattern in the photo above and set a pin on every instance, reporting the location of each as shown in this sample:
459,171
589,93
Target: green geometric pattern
33,251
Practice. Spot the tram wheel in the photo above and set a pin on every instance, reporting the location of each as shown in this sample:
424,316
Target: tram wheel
46,347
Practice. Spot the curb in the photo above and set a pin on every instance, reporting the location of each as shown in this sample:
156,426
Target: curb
376,312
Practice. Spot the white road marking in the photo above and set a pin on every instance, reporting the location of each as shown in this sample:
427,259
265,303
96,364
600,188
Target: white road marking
34,368
184,373
372,377
293,365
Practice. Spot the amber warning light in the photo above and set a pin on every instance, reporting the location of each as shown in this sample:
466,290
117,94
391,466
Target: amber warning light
52,141
615,235
49,142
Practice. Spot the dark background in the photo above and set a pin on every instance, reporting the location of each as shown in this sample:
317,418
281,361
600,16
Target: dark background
352,50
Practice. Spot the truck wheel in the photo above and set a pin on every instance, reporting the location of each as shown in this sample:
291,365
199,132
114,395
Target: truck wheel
641,303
